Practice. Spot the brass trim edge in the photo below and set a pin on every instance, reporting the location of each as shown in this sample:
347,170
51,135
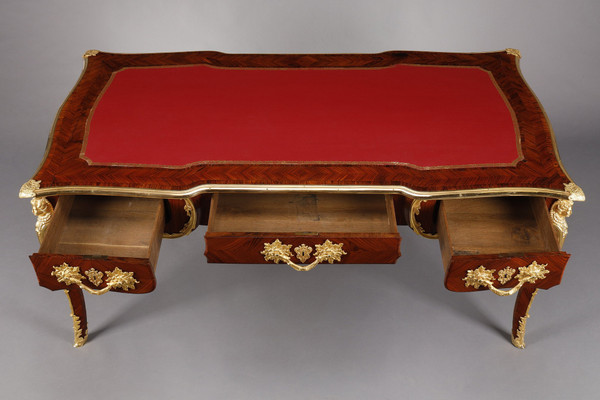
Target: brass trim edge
365,189
189,226
415,225
519,341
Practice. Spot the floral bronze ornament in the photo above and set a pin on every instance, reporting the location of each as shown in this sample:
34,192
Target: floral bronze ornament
327,251
80,337
40,207
277,251
519,340
562,209
485,277
43,210
115,279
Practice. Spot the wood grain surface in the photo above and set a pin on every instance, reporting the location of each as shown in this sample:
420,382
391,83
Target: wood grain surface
143,270
240,225
539,168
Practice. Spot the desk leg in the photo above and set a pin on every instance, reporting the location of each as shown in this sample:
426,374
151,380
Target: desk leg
522,305
79,315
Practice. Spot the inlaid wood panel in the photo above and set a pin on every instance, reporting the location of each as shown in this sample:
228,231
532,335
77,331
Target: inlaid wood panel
497,233
539,168
241,224
102,233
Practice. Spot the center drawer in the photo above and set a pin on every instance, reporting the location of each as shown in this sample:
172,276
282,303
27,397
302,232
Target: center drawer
242,226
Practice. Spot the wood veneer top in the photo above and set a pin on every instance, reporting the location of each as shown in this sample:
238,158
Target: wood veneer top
527,159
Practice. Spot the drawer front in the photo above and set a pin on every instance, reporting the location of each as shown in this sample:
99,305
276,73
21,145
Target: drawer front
464,274
250,249
101,244
304,228
493,243
120,274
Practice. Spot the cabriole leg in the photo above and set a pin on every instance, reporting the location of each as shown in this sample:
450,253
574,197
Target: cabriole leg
522,305
79,315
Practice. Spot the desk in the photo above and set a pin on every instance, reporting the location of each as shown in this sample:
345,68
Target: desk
303,160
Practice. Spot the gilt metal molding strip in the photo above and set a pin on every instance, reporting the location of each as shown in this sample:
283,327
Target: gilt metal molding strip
80,337
190,225
249,188
415,225
519,340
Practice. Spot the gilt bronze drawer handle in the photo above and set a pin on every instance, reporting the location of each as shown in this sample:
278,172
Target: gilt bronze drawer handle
115,279
327,251
485,277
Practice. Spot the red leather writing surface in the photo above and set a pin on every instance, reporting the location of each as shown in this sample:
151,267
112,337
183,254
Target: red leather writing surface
426,116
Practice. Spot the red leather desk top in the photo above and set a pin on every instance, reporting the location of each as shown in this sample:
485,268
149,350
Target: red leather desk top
413,122
426,116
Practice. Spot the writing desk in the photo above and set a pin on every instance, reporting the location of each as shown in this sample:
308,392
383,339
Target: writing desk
301,160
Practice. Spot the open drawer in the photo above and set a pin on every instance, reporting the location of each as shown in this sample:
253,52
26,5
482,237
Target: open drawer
499,242
302,228
101,243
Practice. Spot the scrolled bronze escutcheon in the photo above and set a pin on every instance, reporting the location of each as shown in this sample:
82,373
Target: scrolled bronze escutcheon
303,252
328,251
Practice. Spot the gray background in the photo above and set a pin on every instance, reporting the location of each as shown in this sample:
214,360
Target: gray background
267,332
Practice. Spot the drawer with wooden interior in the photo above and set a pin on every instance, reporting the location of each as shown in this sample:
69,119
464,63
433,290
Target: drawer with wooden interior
101,243
498,242
302,228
